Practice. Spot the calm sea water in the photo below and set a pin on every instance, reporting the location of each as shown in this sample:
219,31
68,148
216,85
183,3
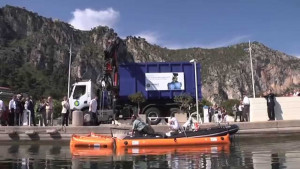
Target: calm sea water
258,153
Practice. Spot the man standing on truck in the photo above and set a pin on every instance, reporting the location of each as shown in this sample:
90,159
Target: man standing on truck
93,110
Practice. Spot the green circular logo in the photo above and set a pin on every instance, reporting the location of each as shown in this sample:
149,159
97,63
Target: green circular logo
76,103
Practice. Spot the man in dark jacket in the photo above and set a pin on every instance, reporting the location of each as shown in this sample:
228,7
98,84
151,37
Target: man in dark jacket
270,97
31,108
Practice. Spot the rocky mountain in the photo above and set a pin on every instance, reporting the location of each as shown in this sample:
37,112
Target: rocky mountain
34,55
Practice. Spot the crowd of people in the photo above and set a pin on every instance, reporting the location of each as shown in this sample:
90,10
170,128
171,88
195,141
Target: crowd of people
217,114
241,110
20,109
295,92
23,111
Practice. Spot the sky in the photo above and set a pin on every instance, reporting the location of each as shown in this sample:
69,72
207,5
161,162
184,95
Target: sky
179,24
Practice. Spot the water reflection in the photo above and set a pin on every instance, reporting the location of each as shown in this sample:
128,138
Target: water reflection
275,153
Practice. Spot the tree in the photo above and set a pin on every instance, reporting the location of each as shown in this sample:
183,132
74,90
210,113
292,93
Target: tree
205,102
137,98
184,100
201,104
228,104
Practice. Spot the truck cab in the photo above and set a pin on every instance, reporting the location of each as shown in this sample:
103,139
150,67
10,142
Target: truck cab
82,93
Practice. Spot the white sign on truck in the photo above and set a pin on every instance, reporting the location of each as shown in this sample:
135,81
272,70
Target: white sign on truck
164,81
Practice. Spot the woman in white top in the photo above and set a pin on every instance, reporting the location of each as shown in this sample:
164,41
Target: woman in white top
25,112
65,111
49,111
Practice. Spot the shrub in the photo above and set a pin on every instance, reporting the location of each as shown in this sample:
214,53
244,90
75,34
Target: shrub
137,98
184,100
228,104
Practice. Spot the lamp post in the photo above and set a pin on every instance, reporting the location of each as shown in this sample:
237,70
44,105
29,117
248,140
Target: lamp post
196,84
253,85
69,77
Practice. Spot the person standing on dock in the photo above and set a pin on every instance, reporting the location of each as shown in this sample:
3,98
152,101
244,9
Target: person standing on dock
270,97
93,110
65,111
12,108
26,113
239,111
42,111
49,111
246,108
18,110
1,110
31,109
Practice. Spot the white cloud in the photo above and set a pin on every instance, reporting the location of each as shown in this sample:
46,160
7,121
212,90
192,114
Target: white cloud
89,18
151,37
212,45
296,55
229,42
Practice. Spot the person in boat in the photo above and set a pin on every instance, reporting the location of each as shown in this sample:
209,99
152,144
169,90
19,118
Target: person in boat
174,126
139,128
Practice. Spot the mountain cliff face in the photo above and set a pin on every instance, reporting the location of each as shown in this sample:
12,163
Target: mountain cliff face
35,51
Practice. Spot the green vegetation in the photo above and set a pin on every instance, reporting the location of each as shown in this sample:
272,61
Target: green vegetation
27,79
184,101
137,98
205,102
228,104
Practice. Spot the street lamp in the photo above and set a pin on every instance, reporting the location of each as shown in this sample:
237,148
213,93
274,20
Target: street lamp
69,77
253,85
196,84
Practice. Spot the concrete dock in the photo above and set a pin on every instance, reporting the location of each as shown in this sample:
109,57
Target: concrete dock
59,133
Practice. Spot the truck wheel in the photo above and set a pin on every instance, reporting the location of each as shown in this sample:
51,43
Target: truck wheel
153,112
173,111
86,117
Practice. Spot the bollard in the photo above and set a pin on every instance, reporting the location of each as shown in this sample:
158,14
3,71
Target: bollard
77,118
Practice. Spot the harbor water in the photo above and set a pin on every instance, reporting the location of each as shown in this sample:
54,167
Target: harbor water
273,152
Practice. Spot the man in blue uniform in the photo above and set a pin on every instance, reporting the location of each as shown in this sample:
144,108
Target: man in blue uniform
270,97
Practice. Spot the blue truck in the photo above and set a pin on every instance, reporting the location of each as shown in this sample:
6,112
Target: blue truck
159,82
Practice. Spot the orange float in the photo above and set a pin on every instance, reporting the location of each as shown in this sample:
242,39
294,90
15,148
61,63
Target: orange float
92,140
91,151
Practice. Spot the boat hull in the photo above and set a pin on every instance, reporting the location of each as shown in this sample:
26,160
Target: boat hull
172,141
159,150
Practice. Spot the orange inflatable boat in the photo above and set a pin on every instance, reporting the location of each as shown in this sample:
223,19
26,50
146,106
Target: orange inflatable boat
91,140
148,142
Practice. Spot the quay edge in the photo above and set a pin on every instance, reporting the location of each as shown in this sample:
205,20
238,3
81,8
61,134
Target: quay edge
59,133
